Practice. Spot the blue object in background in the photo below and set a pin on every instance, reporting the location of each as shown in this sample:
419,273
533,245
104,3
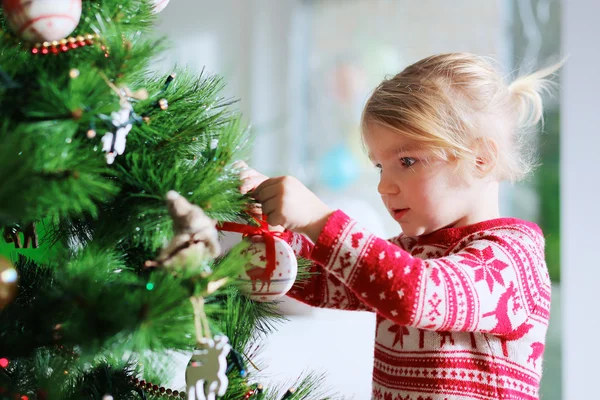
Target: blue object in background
338,168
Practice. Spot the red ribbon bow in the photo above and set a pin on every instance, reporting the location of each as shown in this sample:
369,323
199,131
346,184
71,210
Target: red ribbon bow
262,230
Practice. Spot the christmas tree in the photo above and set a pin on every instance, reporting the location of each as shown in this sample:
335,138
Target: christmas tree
117,179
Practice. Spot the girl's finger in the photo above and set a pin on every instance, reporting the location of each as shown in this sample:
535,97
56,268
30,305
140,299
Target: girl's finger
250,183
266,190
269,207
239,164
247,186
270,182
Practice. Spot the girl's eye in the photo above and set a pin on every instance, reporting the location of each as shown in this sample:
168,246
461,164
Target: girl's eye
407,161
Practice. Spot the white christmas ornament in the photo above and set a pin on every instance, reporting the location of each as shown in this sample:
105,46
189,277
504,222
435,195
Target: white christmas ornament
205,375
262,282
159,5
114,143
42,20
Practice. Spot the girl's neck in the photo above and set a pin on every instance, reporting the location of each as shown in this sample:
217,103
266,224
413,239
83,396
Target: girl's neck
484,208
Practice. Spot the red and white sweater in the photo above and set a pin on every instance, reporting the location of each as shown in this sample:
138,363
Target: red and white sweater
462,313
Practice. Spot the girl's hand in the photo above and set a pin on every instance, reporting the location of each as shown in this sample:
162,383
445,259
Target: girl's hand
250,180
287,202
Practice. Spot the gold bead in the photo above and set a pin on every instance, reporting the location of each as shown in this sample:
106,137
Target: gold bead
91,134
71,39
80,38
55,43
89,37
163,104
74,73
46,44
63,41
77,113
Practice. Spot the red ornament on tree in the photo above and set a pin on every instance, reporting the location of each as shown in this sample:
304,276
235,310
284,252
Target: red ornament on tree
42,20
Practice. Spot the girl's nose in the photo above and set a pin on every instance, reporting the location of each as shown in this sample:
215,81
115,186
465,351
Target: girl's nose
387,185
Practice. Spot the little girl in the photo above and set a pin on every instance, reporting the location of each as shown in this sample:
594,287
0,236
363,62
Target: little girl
462,296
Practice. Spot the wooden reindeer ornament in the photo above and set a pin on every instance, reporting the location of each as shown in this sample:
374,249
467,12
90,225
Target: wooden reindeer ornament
206,375
196,237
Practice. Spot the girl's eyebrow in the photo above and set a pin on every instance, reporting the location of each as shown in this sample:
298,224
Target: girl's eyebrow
399,150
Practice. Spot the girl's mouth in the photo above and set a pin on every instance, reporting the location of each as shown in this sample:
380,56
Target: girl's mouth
398,213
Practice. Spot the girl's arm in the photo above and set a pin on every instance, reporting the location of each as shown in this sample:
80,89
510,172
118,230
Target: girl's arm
493,283
322,289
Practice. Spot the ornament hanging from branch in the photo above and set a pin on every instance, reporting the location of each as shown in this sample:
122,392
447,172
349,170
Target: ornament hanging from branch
42,20
196,237
272,266
113,143
265,280
121,122
205,375
12,235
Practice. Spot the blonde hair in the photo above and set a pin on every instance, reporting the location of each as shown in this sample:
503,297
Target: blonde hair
448,102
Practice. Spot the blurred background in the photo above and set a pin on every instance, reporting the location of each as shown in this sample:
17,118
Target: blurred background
302,69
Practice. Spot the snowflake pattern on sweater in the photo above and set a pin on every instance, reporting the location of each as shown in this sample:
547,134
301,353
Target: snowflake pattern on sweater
462,313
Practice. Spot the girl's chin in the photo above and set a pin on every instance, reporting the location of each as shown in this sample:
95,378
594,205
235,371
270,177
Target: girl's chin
414,231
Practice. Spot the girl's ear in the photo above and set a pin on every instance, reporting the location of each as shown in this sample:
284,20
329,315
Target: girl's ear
486,156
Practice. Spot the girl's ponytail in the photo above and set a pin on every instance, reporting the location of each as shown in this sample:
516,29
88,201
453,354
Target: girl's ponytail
526,94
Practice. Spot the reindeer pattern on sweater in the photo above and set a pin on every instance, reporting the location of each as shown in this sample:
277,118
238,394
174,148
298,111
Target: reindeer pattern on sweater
462,313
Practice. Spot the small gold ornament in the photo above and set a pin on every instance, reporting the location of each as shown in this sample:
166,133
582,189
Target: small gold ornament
8,282
163,104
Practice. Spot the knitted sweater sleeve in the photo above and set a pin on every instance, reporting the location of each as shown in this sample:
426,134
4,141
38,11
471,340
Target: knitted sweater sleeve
481,287
322,289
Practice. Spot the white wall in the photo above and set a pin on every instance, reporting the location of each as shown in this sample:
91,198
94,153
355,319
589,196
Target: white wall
580,194
214,35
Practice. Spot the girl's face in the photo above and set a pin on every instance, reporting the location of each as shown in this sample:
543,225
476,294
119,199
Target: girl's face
421,193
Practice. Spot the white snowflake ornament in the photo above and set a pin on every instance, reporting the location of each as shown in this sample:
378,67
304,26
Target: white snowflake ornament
205,375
